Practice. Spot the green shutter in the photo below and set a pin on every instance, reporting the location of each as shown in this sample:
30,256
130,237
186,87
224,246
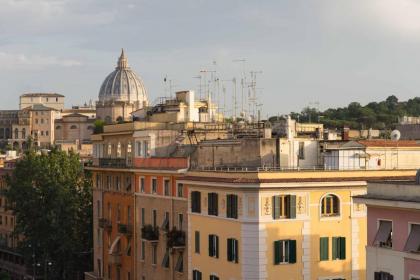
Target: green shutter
292,207
334,248
210,245
292,251
342,241
197,242
229,250
323,248
235,206
236,243
217,246
276,207
277,251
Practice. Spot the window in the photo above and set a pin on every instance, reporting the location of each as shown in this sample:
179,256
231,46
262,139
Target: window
323,249
284,207
109,271
154,254
165,260
42,121
232,250
118,182
167,186
142,184
47,133
128,183
154,217
179,267
128,250
232,206
108,182
301,154
383,276
109,149
383,236
42,133
413,240
213,246
139,150
154,185
180,192
165,224
214,277
181,221
143,250
330,206
196,275
71,127
284,251
213,204
338,248
146,149
119,150
129,148
195,202
197,242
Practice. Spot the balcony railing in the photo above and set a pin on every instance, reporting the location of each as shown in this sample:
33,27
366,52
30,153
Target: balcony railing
113,162
105,223
125,229
176,238
150,233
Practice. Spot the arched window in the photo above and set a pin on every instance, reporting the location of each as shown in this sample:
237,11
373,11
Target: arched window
16,133
73,127
330,206
23,133
58,127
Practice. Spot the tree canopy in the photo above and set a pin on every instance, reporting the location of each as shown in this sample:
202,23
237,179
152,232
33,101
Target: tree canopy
50,195
378,115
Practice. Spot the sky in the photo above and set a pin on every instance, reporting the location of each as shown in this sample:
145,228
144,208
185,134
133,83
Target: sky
320,53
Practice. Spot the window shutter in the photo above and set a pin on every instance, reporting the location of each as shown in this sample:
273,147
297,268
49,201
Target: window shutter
197,242
228,206
277,252
211,245
334,248
323,250
217,246
292,251
229,250
292,207
235,206
342,241
276,207
236,251
335,205
377,276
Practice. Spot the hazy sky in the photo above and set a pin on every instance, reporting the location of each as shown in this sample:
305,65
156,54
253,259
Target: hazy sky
331,52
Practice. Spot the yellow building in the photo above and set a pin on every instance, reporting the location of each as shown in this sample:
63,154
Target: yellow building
265,225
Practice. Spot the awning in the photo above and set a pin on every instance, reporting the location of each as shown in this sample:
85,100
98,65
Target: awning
384,231
114,245
413,241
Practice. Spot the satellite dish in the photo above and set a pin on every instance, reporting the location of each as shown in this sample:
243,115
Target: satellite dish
395,135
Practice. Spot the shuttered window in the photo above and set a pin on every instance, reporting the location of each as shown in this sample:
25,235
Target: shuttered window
195,202
381,275
214,277
232,250
196,275
330,206
213,246
284,207
165,261
323,248
338,248
232,206
213,203
284,251
179,267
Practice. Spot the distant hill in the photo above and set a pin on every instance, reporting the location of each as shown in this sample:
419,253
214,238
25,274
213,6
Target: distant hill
377,115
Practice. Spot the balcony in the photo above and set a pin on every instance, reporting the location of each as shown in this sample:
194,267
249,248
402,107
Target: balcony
115,258
150,233
125,229
176,239
113,162
105,224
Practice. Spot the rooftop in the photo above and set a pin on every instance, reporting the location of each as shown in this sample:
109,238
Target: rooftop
40,94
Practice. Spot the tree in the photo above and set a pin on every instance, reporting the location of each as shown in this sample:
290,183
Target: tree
50,195
99,126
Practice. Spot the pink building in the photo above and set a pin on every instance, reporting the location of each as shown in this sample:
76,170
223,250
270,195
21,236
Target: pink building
393,237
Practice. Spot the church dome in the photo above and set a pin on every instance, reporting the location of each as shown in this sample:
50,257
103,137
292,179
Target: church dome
123,85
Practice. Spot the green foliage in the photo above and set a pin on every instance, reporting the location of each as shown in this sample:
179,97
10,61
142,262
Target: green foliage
50,195
99,126
382,115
